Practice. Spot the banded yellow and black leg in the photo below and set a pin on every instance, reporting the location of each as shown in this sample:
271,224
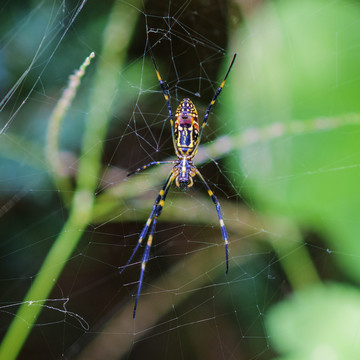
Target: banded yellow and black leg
222,225
155,214
166,96
160,199
149,165
144,261
217,93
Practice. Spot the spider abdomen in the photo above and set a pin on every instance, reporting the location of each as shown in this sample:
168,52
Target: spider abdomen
186,132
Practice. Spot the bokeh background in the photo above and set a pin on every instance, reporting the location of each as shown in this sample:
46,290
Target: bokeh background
280,152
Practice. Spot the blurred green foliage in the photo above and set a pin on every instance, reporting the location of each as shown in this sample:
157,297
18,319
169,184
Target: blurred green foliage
321,322
300,61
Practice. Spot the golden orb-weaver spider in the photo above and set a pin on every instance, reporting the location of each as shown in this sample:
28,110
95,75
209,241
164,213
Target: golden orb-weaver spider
186,139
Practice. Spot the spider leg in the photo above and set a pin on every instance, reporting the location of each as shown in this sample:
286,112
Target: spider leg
159,200
218,210
149,165
166,96
212,102
144,261
146,254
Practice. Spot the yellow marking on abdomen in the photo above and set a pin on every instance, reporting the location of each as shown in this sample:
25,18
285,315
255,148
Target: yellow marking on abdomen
210,193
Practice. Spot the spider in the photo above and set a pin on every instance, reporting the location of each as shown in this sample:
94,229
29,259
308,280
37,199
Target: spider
186,137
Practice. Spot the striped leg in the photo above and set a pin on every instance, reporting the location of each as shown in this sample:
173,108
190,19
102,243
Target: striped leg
144,261
160,199
149,165
222,225
212,102
146,254
166,96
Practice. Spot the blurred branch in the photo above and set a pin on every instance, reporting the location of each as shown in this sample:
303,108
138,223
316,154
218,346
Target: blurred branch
107,203
16,147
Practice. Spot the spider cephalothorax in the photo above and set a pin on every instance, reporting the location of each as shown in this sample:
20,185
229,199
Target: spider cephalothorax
184,171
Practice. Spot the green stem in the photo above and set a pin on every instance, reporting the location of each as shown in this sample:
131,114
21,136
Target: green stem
287,242
46,278
116,39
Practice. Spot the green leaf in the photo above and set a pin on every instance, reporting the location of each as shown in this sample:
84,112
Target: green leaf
299,61
317,323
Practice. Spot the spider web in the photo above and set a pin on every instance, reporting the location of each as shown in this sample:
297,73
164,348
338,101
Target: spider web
186,292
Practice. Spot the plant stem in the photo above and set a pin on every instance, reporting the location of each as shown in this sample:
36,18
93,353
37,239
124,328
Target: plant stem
116,39
47,276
